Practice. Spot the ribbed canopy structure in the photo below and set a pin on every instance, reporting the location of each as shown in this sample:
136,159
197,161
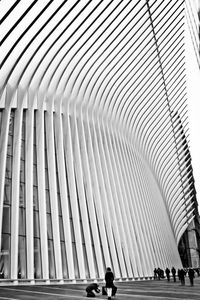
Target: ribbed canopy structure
95,169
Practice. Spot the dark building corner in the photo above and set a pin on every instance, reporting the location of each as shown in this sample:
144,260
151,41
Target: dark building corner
189,245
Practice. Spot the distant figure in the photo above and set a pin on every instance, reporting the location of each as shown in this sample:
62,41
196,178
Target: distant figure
167,272
179,274
191,276
173,270
155,273
159,273
182,276
110,287
91,288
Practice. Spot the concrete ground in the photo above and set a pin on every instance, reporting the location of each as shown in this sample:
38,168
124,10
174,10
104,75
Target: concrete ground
130,290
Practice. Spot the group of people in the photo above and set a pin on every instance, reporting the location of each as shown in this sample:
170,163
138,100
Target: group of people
109,289
181,273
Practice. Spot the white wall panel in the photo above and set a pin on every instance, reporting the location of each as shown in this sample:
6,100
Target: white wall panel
69,161
104,201
89,198
97,197
59,140
3,146
16,184
41,187
29,185
50,142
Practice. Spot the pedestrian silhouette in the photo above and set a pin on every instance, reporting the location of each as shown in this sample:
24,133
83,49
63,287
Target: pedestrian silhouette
159,273
191,276
167,272
182,276
155,273
110,287
173,270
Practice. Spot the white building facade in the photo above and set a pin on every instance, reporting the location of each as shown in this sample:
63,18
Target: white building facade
93,168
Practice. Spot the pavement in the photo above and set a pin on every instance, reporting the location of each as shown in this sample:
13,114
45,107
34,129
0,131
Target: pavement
128,290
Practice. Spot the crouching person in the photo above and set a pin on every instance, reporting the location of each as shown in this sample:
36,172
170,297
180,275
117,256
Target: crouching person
91,288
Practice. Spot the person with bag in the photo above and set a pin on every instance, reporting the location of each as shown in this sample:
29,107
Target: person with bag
111,289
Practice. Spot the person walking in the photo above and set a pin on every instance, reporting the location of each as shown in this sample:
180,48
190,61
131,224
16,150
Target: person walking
173,270
191,276
109,279
155,273
159,273
167,272
182,276
179,274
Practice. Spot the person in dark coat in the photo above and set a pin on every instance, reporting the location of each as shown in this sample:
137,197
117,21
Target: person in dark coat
179,274
173,270
182,276
159,273
167,272
109,279
191,276
91,288
155,273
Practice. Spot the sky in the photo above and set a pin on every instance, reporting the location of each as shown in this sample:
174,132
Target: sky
193,101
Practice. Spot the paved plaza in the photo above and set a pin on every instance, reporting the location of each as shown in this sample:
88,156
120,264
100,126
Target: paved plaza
130,290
